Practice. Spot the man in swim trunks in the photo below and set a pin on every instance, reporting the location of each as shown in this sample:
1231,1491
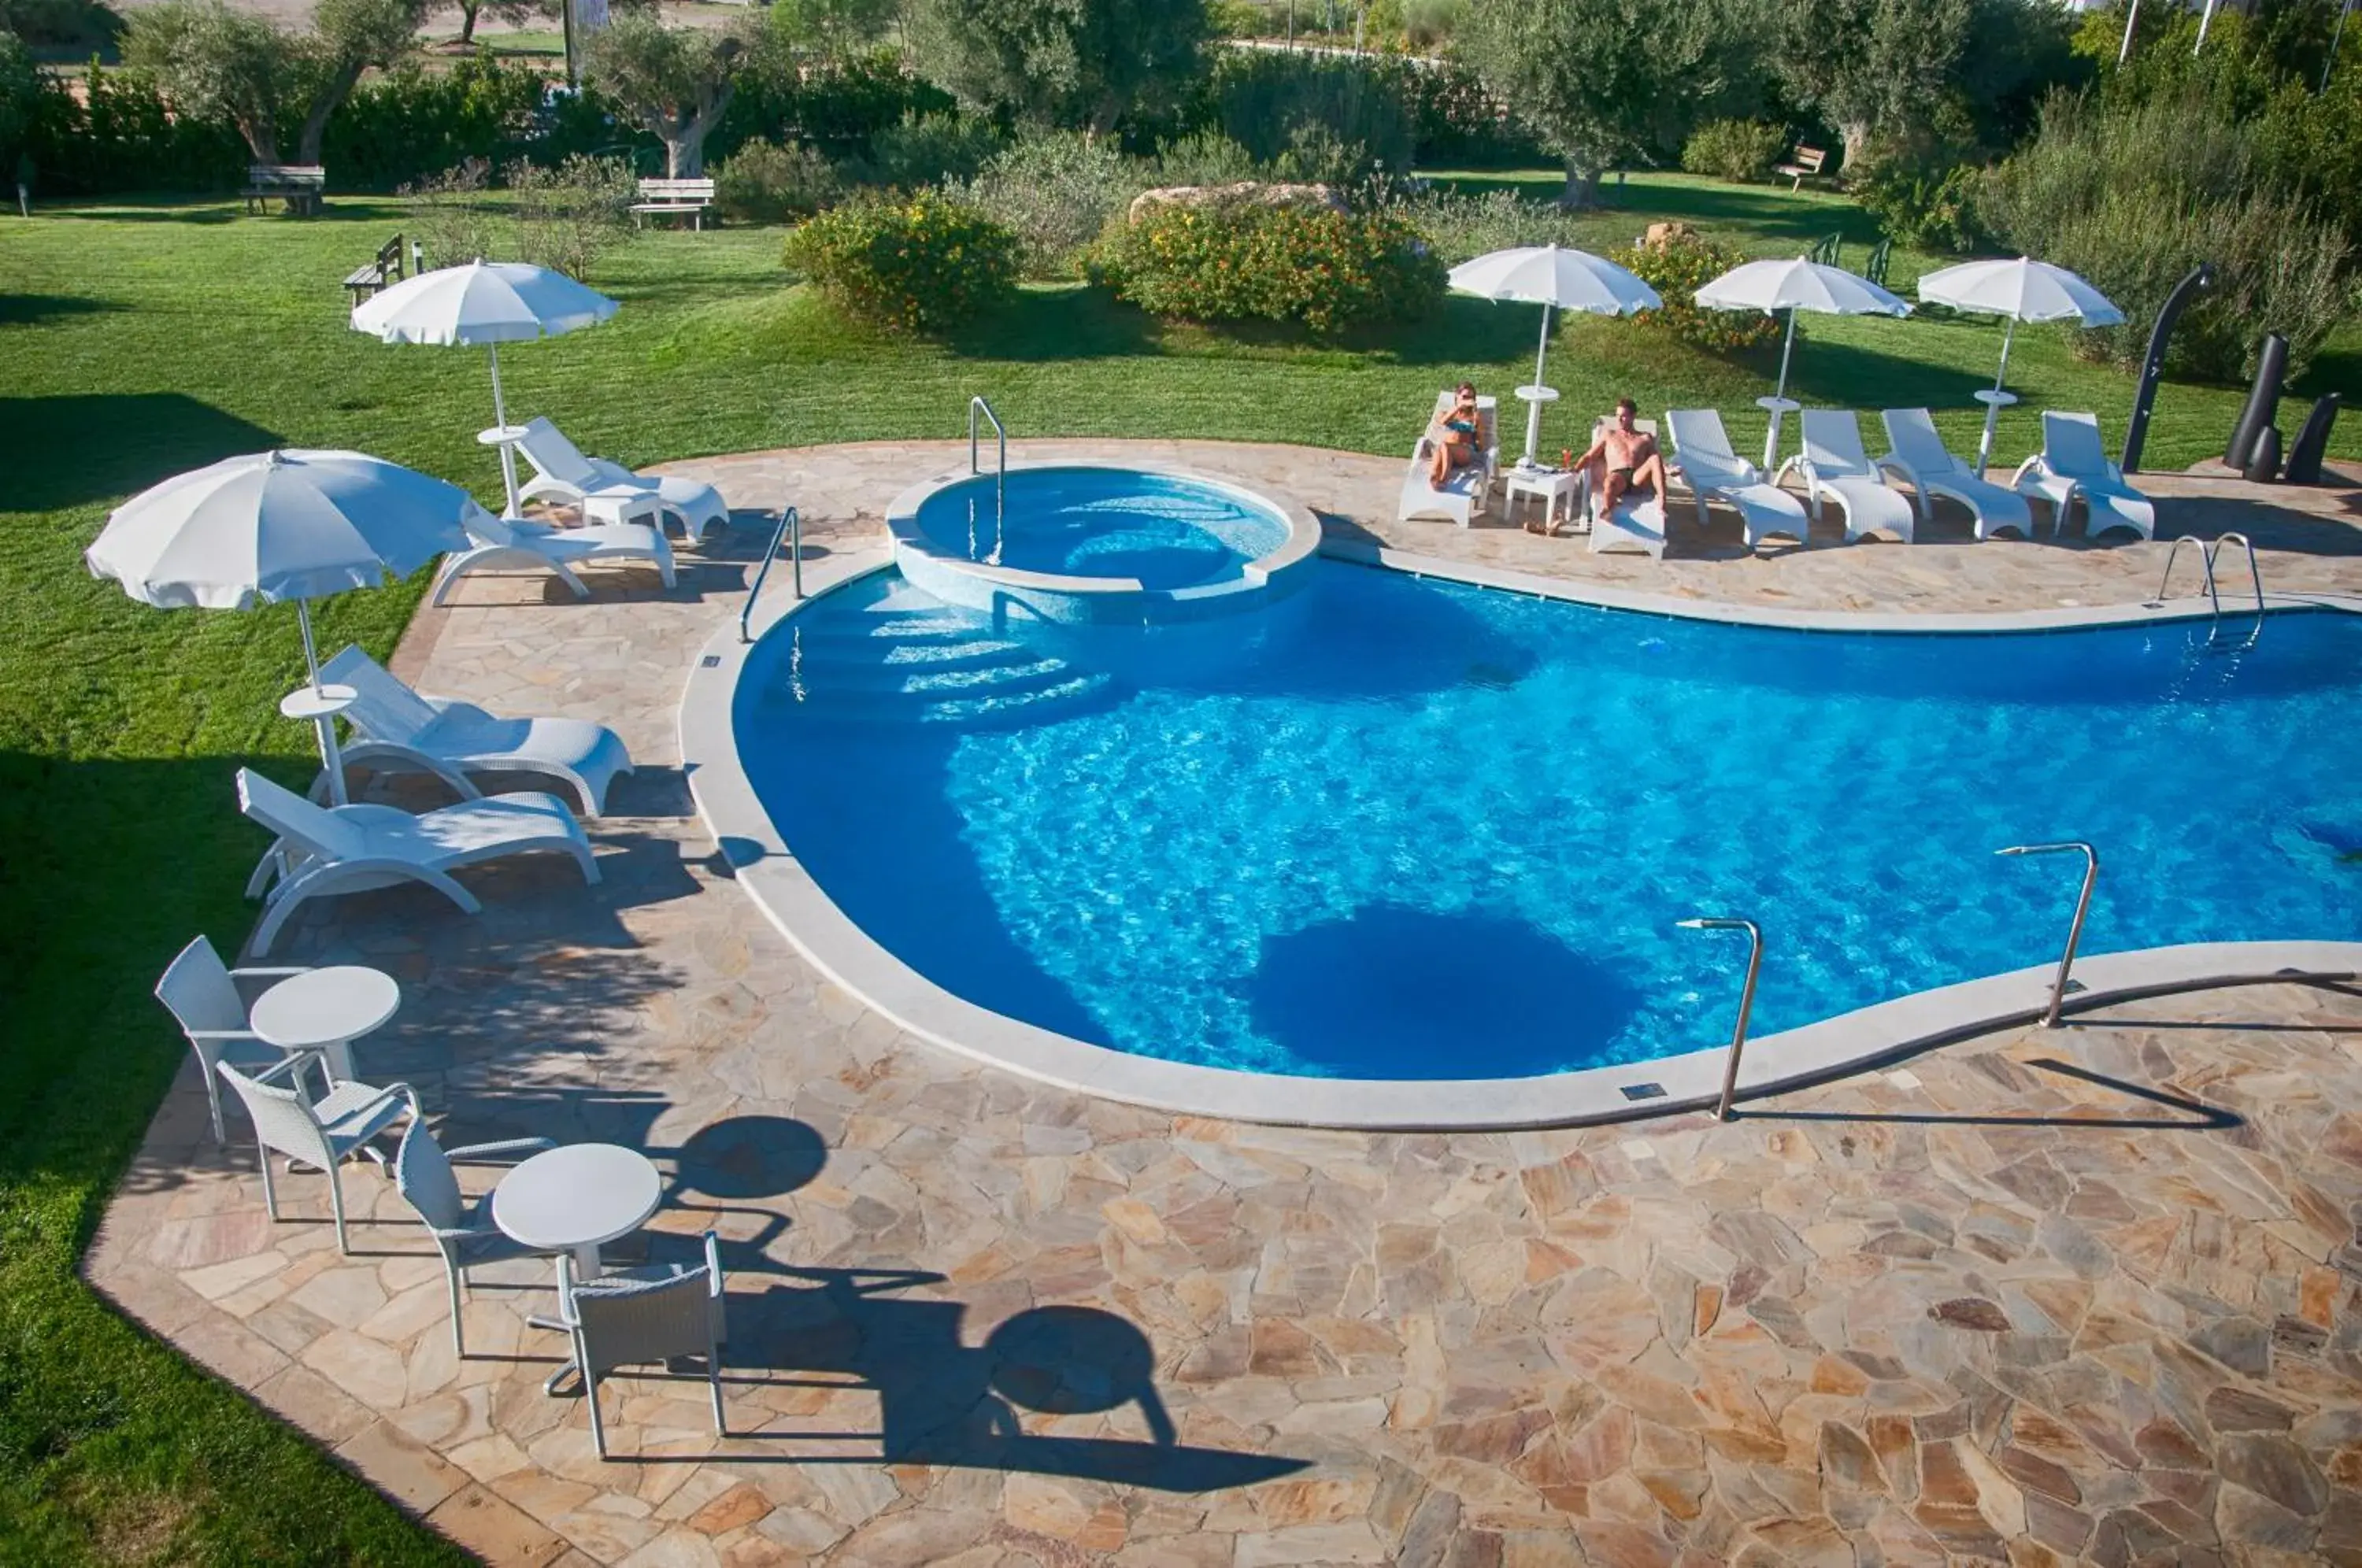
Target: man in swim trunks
1458,432
1630,457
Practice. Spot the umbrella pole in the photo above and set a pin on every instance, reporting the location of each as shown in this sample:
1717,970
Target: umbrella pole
508,448
1779,403
1534,405
1992,400
322,708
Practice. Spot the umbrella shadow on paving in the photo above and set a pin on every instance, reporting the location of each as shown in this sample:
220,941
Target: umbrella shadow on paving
74,449
926,1396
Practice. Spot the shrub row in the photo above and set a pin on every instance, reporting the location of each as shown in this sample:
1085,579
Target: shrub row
1313,266
922,263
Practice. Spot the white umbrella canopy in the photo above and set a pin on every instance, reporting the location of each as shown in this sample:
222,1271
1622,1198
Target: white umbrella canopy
1554,278
1792,286
488,302
2023,289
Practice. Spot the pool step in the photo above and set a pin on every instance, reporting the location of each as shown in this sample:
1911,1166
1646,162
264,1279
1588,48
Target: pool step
898,664
982,707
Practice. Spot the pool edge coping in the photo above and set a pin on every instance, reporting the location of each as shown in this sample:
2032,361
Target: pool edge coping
758,856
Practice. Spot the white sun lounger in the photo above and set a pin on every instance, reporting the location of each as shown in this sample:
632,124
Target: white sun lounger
1837,467
1920,459
610,493
1637,522
394,727
347,849
1707,464
518,544
2072,463
1464,494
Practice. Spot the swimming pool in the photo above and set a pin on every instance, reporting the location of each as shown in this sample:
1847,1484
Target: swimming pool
1084,542
1419,831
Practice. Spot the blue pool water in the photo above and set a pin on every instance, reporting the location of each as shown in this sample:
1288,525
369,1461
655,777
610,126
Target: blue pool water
1390,828
1165,530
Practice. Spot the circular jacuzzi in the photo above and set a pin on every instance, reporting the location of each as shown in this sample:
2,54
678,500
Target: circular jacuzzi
1085,542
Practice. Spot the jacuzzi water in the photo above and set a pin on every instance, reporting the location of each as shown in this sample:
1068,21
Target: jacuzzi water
1412,830
1163,530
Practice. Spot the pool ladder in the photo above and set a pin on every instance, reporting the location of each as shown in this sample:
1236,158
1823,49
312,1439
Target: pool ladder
977,405
2207,551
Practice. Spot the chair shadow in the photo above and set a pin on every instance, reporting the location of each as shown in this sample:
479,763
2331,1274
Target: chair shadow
940,1401
2199,1116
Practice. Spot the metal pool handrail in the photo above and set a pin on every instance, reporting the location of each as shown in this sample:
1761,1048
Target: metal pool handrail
2205,562
2254,576
1746,996
2075,928
977,405
791,522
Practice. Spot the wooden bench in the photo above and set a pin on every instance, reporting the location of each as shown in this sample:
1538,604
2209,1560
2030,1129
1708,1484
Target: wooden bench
673,197
297,184
1808,161
363,281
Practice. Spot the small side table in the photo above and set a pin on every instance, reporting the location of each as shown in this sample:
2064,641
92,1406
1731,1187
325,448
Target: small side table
575,1199
1548,486
1778,408
325,1010
1535,397
321,704
1995,399
506,436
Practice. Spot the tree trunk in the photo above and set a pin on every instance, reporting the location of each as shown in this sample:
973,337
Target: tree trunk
1856,135
686,157
1581,185
333,93
468,22
261,138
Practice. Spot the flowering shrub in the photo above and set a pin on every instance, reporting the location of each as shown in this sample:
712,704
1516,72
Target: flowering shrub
1325,268
1677,267
918,263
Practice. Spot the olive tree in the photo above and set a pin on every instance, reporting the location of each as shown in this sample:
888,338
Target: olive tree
676,80
1078,63
1603,82
219,63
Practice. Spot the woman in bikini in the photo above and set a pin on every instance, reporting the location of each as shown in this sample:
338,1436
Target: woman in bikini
1457,432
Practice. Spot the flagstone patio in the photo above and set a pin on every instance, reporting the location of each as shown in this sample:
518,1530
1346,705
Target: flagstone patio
2090,1293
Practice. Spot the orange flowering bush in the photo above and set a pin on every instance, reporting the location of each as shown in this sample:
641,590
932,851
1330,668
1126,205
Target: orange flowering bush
918,263
1677,267
1325,268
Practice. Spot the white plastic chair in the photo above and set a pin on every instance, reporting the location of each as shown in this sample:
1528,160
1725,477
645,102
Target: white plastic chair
463,1231
1836,466
1920,459
1637,522
643,1315
327,850
1467,490
1703,455
610,493
520,544
322,1133
396,728
202,992
2073,463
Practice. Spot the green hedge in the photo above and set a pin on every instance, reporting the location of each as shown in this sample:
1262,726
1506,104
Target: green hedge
1310,265
920,263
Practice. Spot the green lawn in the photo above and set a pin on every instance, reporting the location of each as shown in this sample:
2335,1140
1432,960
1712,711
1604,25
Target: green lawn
139,340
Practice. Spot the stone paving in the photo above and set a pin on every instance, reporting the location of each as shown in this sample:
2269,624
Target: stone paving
2086,1294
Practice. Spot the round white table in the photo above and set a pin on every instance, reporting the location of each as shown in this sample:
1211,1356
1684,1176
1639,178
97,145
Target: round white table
1535,396
505,437
321,704
574,1198
325,1010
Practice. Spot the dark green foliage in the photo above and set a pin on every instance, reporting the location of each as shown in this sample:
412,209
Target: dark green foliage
1735,149
124,140
411,123
764,181
919,264
927,149
1083,64
1309,265
1932,206
840,106
1272,104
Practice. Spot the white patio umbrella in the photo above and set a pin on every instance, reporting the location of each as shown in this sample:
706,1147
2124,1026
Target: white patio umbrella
1792,286
491,302
2023,289
278,526
1554,279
